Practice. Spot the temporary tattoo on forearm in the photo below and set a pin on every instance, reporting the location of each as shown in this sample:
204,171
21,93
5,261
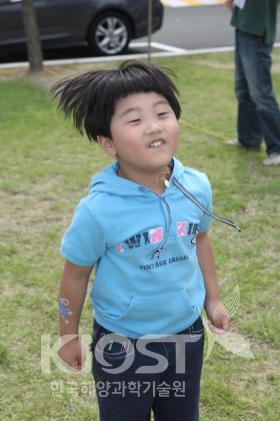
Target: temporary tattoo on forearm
64,311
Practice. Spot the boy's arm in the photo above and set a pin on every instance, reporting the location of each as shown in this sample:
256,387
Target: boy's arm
72,293
213,306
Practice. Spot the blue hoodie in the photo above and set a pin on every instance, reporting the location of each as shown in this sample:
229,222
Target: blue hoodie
142,245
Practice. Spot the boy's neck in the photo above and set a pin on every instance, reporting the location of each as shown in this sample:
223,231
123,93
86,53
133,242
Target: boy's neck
156,182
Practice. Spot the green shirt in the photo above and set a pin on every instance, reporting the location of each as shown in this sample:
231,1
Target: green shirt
258,17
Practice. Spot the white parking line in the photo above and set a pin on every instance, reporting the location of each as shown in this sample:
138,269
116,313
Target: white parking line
168,48
182,3
166,51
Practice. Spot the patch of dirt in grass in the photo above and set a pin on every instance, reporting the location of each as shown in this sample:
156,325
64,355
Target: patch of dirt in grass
19,73
8,74
213,64
17,289
8,291
52,74
46,186
230,66
255,380
276,68
29,213
259,374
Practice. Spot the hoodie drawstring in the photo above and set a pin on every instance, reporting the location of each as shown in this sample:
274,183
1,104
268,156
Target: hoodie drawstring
196,202
167,223
203,208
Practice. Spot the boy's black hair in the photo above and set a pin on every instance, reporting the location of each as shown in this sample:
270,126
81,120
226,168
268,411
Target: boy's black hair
91,97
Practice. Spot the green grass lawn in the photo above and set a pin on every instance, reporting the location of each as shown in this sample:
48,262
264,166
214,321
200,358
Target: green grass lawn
45,169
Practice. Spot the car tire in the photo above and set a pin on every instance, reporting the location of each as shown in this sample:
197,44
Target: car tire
109,34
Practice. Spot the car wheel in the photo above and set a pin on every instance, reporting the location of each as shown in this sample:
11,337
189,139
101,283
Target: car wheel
109,34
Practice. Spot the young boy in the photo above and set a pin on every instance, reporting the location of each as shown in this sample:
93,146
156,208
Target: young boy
143,229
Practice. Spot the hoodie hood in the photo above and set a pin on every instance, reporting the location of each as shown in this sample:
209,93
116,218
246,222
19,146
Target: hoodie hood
109,182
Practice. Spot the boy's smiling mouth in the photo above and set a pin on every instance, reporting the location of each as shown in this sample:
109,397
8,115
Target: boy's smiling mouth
156,143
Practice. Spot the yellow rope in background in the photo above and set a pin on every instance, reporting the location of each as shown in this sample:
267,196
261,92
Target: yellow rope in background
204,131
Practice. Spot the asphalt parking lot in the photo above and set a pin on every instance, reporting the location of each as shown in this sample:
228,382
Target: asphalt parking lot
185,28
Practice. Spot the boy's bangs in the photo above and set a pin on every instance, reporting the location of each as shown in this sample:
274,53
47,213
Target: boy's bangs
137,79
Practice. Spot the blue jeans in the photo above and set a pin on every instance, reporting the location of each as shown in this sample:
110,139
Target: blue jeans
258,110
171,390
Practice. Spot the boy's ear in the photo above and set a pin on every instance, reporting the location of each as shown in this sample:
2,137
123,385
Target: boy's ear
107,145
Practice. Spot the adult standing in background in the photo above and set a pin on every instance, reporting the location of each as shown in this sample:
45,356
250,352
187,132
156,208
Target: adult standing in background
258,111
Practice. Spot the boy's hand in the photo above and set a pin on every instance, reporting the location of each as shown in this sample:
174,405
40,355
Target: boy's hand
72,354
218,316
229,4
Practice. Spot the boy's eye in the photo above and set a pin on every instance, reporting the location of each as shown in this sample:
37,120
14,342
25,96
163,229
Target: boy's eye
136,120
163,113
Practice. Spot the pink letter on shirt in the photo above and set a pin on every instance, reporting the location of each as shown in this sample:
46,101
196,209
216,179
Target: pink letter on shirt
156,235
181,228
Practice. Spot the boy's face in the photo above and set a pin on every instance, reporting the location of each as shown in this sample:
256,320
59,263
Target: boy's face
144,133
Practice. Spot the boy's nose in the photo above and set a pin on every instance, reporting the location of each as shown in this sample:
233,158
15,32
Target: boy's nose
153,128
